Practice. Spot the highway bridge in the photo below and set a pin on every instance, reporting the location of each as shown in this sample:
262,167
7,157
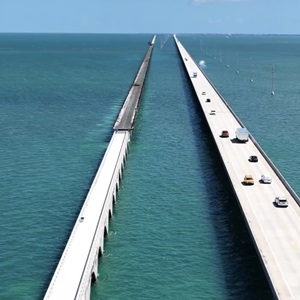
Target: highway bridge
78,266
275,231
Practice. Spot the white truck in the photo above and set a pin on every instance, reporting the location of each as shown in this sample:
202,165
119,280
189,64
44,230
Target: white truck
242,135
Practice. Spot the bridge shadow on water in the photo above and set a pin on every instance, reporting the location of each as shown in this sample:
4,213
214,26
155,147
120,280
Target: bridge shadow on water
243,273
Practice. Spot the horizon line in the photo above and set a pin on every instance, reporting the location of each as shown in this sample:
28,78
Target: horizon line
128,33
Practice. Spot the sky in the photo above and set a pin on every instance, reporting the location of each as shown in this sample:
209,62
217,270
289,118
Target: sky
151,16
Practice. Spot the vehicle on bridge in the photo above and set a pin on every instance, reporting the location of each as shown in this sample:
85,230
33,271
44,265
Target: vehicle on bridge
225,134
265,179
242,135
212,112
281,202
195,74
253,158
248,180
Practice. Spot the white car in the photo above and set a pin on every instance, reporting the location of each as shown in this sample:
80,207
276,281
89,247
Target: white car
281,201
265,179
212,112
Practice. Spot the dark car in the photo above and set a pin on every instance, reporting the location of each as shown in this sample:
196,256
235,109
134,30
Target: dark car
207,100
224,133
253,158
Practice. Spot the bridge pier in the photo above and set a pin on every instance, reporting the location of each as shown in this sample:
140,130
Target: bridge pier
101,245
94,274
114,197
111,210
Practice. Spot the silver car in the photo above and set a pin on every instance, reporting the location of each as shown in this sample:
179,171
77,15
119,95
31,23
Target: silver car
281,202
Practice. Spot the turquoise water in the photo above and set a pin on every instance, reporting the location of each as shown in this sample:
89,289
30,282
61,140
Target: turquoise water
177,232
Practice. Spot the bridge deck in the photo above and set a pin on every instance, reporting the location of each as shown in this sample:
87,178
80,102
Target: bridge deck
126,118
69,272
275,231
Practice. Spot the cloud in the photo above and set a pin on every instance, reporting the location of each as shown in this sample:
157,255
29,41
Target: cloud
200,2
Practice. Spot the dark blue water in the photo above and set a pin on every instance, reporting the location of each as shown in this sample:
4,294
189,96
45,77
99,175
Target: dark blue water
177,231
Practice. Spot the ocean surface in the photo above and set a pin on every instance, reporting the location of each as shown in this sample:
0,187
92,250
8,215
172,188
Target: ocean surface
177,231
